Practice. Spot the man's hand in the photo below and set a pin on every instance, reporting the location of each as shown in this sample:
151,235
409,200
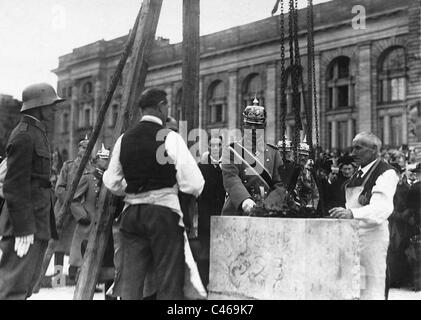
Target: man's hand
22,244
341,213
247,205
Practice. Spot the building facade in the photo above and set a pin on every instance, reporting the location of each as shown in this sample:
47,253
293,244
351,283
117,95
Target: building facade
367,70
9,117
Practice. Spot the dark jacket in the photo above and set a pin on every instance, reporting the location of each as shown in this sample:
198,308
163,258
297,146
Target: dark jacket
212,198
28,198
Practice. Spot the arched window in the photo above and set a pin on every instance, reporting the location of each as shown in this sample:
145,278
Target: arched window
69,92
216,103
253,88
288,92
392,75
178,112
87,88
65,127
340,85
86,116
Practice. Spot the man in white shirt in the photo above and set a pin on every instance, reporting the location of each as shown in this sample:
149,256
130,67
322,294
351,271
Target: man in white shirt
149,165
369,199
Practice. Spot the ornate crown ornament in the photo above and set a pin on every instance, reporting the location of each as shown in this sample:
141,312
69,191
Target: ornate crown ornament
254,114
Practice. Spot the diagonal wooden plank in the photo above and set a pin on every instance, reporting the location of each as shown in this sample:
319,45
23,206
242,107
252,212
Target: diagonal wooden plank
144,40
98,125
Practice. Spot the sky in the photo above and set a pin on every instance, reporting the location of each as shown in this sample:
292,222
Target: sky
34,33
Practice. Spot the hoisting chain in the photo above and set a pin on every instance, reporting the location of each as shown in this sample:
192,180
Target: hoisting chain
283,80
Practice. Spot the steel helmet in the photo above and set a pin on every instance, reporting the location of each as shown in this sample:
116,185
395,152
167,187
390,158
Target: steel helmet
39,95
254,114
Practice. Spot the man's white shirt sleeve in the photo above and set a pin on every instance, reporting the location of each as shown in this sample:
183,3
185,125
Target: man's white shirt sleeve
113,177
189,177
381,202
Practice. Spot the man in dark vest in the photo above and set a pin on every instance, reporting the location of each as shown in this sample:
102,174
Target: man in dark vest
27,218
149,165
369,199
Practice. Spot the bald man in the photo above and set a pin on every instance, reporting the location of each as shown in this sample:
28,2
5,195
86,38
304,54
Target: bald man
369,199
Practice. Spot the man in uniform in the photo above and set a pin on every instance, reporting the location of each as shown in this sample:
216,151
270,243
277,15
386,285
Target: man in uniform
27,218
250,166
84,209
369,199
64,181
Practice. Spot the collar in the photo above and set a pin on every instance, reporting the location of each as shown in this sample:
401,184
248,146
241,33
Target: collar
366,168
214,161
34,121
152,119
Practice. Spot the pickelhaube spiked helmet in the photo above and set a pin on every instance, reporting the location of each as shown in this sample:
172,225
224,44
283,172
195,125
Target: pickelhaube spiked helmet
254,114
288,144
84,141
304,148
103,153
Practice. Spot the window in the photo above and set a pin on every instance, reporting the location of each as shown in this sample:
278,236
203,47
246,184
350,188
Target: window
86,116
288,93
396,131
342,135
253,88
216,103
113,115
392,75
65,128
87,88
69,92
340,85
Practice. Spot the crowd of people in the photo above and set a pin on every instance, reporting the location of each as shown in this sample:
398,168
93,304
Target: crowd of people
160,244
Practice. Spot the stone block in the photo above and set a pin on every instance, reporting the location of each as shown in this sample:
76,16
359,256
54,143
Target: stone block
279,258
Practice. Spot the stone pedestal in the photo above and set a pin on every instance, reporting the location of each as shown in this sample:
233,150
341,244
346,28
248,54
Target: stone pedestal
276,258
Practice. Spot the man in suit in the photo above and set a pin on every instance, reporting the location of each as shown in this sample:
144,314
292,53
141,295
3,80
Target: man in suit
64,181
250,166
27,218
210,202
369,199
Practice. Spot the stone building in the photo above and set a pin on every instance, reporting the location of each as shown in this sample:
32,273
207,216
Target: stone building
367,66
9,117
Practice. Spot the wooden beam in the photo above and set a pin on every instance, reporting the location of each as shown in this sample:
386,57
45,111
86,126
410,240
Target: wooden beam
145,36
191,63
97,128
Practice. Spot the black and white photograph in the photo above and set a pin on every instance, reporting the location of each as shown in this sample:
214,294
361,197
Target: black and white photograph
211,153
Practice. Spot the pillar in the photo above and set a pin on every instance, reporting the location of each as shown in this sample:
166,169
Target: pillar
364,87
270,103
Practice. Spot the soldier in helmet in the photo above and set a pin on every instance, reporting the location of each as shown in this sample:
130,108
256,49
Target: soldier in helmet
27,218
67,173
84,208
250,166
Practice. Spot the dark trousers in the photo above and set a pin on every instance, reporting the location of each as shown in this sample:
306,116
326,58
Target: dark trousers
150,234
18,275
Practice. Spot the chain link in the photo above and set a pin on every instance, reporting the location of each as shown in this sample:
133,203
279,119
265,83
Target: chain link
283,80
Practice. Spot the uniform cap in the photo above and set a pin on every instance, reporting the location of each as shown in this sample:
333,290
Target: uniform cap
39,95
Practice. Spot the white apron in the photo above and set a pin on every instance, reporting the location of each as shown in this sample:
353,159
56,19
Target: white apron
373,243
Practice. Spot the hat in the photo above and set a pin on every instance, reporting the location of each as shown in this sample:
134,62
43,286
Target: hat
346,160
303,147
254,114
103,153
84,141
288,144
39,95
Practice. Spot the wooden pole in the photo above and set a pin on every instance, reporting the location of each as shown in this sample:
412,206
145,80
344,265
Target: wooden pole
145,36
191,63
101,115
